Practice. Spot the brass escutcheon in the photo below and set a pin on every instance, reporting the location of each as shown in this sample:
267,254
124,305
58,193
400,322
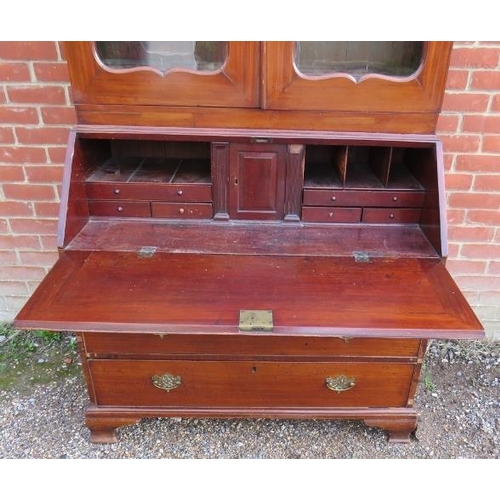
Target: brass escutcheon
340,383
167,381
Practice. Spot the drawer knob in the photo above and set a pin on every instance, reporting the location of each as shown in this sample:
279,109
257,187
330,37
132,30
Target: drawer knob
116,191
391,216
334,198
340,383
395,198
167,381
181,210
120,209
179,192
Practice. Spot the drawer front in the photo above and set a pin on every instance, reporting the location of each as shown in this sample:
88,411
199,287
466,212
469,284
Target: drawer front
384,215
249,384
182,210
150,191
140,344
120,208
330,214
352,198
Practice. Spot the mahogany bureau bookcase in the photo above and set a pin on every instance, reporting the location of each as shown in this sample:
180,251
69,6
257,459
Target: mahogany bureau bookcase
253,229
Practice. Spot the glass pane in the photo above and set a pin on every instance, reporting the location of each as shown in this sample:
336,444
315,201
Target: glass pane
199,56
358,58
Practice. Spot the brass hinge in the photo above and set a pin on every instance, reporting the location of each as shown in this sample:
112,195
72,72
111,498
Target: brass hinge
252,320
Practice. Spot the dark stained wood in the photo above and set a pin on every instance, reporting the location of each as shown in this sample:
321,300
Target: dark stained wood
114,292
244,346
257,191
423,93
189,197
235,85
252,238
248,384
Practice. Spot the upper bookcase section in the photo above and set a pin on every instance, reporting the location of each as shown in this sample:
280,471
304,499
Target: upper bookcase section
392,87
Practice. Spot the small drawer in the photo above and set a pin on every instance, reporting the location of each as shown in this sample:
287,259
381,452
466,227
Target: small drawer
386,215
150,191
363,198
250,384
126,345
331,214
120,208
182,210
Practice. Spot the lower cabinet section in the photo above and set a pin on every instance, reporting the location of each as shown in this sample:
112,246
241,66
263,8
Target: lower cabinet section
369,379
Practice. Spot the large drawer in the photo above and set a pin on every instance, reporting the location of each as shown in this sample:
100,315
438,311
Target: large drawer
100,344
249,384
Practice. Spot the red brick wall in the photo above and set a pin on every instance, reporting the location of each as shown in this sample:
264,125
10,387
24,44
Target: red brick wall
35,114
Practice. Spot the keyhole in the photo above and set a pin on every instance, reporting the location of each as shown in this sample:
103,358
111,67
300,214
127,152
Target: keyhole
235,181
254,369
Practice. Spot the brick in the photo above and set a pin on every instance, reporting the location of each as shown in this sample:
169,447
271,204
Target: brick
447,123
33,226
8,258
490,298
466,101
37,94
494,269
57,155
22,273
495,103
458,182
14,303
448,161
455,215
461,143
51,72
16,208
14,72
481,123
474,57
42,135
13,288
49,243
491,143
47,209
474,200
44,173
11,174
29,51
22,155
478,282
6,135
485,80
477,163
487,217
3,98
469,267
59,115
29,192
4,227
453,250
486,312
19,115
18,242
487,183
481,251
469,233
45,259
457,79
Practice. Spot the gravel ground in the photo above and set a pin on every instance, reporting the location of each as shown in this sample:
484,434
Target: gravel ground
458,403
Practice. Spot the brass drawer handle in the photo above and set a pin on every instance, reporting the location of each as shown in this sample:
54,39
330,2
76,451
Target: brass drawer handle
167,381
340,383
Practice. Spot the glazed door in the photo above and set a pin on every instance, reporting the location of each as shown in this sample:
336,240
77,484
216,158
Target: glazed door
208,74
359,77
